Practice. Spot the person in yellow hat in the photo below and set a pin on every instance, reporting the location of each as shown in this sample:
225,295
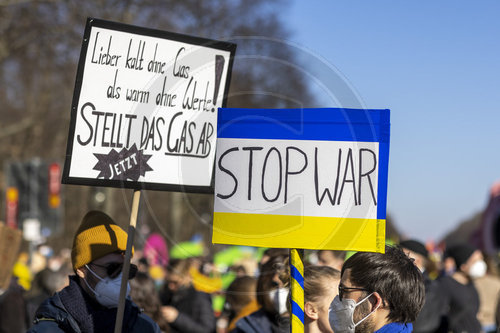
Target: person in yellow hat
89,303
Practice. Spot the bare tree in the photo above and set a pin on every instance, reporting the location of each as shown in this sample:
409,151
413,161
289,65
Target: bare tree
39,49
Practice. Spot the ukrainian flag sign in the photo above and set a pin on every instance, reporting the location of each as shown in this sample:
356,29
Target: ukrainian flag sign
302,178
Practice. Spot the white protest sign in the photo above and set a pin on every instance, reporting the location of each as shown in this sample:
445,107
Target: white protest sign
330,178
144,111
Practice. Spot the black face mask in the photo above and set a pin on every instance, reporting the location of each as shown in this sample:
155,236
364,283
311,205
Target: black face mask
181,290
166,296
229,311
169,294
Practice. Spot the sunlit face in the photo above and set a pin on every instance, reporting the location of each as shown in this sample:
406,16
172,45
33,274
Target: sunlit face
101,263
326,258
362,310
99,267
475,256
331,287
419,260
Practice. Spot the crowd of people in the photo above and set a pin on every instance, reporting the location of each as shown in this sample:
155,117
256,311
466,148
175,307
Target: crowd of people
409,288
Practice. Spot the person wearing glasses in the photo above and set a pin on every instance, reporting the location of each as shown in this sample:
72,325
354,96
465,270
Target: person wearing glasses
89,303
378,292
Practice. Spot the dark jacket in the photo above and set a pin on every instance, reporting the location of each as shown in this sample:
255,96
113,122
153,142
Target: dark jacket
395,328
72,311
261,322
12,309
431,316
195,310
462,304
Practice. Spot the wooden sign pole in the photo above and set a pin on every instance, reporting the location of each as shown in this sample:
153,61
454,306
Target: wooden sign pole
126,262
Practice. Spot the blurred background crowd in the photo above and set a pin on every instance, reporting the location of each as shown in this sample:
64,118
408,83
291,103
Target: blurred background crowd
185,283
184,288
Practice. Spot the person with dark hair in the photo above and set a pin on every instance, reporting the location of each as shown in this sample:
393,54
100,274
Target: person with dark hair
431,316
241,299
271,253
44,285
185,308
461,297
272,296
378,292
12,308
321,285
89,303
334,259
143,293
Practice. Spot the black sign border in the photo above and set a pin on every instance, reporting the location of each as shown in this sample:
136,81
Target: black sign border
93,22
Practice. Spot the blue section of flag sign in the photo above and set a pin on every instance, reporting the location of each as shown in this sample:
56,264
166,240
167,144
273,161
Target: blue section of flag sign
321,124
383,167
326,124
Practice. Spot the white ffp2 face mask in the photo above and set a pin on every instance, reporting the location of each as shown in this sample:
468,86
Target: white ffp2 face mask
279,297
341,314
478,269
107,290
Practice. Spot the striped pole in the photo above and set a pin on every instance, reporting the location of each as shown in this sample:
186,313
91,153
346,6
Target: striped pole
297,284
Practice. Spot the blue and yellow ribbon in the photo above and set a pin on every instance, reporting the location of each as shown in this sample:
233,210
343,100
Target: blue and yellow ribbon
297,289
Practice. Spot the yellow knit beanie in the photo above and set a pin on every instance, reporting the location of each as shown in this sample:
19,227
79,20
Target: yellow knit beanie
97,236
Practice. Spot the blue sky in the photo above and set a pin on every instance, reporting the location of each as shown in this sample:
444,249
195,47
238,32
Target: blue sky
436,65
